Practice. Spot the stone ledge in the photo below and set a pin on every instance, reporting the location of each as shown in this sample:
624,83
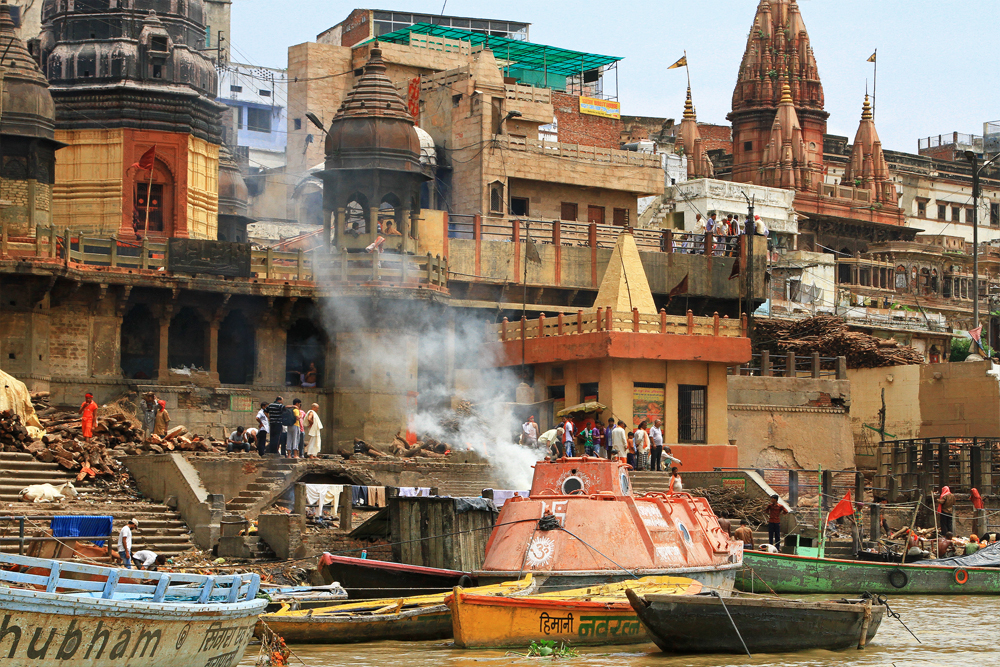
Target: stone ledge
788,408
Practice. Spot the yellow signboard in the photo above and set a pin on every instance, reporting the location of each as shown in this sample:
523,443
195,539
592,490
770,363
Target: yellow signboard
597,107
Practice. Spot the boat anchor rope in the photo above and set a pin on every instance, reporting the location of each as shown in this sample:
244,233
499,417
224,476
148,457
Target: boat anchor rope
882,600
726,609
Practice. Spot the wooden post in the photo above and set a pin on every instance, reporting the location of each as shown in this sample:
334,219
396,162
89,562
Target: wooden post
524,322
876,524
430,267
976,468
668,241
893,489
859,487
790,365
66,246
827,486
815,364
765,363
346,498
841,368
793,488
635,320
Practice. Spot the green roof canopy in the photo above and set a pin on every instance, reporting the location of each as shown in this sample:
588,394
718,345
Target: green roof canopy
562,62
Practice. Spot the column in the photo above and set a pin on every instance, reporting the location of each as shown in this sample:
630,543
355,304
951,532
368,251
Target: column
162,368
213,348
339,224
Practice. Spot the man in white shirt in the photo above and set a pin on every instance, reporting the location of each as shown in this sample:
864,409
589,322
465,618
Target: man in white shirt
125,543
656,444
147,560
551,440
619,440
262,429
568,437
530,429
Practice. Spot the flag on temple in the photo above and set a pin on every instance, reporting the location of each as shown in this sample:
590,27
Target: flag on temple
680,63
682,287
872,59
843,508
531,251
147,160
735,273
976,333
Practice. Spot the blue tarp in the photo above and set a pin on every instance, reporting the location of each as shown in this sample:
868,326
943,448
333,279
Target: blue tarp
82,526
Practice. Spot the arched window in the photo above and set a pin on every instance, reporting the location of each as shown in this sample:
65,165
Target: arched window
901,278
389,215
305,353
355,215
925,281
237,345
187,336
496,197
934,281
153,206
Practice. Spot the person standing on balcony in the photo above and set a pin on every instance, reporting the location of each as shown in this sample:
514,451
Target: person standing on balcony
656,442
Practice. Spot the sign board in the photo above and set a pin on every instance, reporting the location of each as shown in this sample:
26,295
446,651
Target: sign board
216,258
240,403
413,97
647,404
739,483
597,107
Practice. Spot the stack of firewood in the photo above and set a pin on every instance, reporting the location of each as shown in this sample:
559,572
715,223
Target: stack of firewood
831,337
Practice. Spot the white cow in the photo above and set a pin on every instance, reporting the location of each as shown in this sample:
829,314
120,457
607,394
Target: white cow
47,493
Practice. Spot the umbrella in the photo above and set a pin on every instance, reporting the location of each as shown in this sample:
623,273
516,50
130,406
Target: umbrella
589,406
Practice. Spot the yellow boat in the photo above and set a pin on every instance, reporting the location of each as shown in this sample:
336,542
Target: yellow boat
416,618
593,615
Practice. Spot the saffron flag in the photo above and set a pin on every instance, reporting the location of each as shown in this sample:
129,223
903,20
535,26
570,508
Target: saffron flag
680,63
872,59
147,159
531,251
976,333
682,287
735,273
843,508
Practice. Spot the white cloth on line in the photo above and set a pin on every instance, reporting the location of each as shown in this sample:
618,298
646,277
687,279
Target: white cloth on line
414,491
324,494
501,496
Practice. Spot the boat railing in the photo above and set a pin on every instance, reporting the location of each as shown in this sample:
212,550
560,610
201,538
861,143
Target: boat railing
150,586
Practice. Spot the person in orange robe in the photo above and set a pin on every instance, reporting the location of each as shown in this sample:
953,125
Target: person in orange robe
88,411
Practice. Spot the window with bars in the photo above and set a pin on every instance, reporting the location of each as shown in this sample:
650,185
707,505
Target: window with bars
691,413
496,197
259,120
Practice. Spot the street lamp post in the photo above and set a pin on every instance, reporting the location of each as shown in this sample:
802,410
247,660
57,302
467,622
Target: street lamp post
976,170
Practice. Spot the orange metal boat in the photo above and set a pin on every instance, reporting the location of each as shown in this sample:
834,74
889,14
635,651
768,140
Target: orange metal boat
581,525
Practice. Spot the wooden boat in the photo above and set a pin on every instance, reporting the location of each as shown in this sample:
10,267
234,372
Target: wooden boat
597,615
66,614
303,597
581,525
416,618
784,573
365,578
710,624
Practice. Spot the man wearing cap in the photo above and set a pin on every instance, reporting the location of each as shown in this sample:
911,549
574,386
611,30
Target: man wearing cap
88,412
125,543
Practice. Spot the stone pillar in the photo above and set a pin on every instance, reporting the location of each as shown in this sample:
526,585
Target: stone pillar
415,229
162,367
339,224
372,224
212,354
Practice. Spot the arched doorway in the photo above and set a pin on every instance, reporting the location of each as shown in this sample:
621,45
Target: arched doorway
140,343
187,334
237,349
305,349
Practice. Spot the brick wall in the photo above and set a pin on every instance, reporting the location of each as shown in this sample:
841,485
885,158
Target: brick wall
716,136
356,27
584,129
69,342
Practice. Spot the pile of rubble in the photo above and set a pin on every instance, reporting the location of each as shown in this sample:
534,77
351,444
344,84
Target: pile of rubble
117,433
831,337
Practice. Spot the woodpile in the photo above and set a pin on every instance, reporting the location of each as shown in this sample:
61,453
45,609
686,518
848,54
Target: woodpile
734,504
429,448
831,337
116,434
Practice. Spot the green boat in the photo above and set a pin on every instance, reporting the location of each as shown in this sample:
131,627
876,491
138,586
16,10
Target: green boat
782,573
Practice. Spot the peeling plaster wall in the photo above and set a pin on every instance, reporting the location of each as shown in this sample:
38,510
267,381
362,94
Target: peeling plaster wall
802,423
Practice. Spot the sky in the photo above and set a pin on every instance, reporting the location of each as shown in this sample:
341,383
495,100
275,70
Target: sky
937,71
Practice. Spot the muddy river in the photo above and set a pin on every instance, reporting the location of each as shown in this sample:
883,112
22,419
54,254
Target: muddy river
953,631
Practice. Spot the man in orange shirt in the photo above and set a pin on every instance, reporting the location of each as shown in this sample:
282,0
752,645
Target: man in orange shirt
88,413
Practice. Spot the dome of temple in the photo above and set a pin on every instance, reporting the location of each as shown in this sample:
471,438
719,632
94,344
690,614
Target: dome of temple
372,128
27,105
234,197
150,41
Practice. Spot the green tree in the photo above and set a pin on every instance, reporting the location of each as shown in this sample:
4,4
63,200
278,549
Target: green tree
960,348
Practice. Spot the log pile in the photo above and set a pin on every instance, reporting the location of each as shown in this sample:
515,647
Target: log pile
116,434
734,504
831,337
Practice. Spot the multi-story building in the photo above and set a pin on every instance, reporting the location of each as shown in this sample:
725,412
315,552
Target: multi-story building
259,99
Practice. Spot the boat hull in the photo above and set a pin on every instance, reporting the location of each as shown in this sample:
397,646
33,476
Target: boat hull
700,624
721,578
423,624
60,630
783,573
366,579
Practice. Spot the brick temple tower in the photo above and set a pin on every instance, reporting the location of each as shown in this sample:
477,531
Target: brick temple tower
778,55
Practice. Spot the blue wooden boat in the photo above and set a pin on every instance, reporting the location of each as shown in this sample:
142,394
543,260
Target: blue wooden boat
66,614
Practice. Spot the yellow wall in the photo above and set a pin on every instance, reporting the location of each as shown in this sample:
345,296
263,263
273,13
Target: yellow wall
202,189
430,232
87,195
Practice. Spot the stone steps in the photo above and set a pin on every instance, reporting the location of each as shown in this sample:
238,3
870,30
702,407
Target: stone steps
18,470
261,492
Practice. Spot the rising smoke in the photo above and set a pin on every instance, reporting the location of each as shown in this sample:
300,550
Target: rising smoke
406,337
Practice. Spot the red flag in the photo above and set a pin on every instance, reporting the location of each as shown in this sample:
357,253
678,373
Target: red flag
843,508
681,288
147,159
735,273
976,333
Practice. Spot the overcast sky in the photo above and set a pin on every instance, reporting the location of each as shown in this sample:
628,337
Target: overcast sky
933,78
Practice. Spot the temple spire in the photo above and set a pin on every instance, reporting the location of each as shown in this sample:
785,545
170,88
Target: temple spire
867,169
699,165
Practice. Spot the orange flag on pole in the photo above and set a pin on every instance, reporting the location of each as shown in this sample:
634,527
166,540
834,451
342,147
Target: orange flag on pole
147,160
843,508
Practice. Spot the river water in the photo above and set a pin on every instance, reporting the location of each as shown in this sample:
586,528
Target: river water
953,631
